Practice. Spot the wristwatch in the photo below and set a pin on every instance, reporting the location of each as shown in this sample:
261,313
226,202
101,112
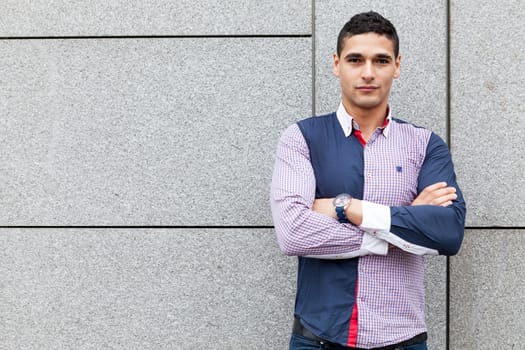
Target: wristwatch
341,202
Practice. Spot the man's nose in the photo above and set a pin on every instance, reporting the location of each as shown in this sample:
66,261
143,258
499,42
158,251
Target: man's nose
368,71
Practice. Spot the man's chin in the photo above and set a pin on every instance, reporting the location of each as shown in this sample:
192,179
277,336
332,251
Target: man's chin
368,104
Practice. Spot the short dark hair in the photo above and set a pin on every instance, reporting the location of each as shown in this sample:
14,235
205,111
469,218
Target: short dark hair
368,22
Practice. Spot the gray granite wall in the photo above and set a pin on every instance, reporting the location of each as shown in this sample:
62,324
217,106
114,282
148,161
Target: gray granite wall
487,129
137,147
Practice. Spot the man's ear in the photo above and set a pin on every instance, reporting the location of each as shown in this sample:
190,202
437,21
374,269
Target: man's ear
336,65
397,63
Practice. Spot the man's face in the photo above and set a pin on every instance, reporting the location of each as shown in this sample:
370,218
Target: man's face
366,68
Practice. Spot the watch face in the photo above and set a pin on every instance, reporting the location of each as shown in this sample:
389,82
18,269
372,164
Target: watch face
342,200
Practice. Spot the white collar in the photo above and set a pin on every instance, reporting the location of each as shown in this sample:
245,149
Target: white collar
347,121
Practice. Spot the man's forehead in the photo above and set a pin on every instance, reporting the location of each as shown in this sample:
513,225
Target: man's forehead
369,43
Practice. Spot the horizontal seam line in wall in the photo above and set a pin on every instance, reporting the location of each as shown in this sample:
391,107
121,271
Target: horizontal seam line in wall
155,37
495,228
215,227
212,227
131,227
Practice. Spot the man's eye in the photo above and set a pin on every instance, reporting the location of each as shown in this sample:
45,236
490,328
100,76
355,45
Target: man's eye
383,61
354,60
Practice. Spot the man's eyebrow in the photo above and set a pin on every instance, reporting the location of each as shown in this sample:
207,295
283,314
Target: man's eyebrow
353,55
384,56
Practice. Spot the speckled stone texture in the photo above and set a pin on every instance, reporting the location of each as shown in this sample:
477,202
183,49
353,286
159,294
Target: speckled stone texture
146,131
487,303
181,17
436,294
488,109
418,96
144,289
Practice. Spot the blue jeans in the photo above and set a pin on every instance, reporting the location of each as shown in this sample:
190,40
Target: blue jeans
298,342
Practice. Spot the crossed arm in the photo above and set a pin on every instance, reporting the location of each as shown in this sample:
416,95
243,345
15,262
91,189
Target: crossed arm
306,226
438,194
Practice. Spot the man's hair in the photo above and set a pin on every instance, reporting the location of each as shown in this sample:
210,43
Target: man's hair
368,22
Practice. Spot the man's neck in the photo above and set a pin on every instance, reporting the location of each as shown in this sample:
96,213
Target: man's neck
368,119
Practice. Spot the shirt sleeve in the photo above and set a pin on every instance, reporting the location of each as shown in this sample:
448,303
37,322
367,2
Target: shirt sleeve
301,231
425,229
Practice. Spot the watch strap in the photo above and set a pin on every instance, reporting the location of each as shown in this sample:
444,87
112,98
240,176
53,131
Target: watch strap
341,216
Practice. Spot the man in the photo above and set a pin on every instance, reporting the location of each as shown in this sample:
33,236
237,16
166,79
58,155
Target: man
360,197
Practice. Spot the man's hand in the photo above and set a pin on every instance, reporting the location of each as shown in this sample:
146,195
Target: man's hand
436,194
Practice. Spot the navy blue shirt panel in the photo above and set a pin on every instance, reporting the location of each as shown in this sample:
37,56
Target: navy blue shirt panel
337,160
326,288
435,227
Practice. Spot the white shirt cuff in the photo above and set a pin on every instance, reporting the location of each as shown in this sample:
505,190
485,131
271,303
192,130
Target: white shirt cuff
376,222
374,245
376,217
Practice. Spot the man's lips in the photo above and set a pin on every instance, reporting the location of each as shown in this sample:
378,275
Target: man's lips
367,87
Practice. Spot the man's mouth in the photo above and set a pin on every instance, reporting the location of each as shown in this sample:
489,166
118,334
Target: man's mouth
367,88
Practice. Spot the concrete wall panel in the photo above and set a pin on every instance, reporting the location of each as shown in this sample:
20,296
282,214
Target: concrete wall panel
144,289
487,88
146,132
487,302
436,297
183,17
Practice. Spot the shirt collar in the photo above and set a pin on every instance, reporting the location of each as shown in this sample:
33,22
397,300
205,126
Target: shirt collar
346,121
